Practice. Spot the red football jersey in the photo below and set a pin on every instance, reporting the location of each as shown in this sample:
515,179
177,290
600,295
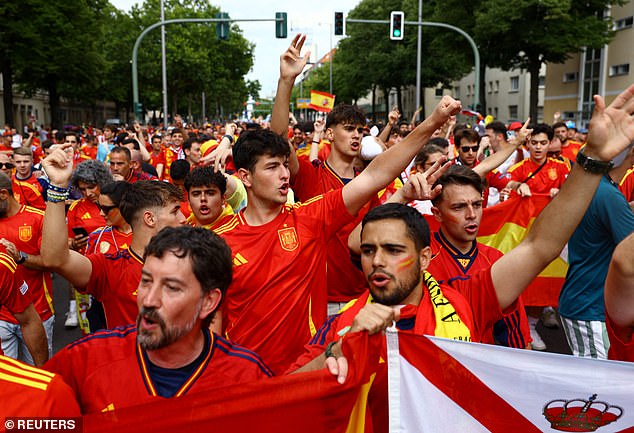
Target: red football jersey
171,155
155,160
24,229
571,150
113,282
344,280
28,191
626,186
448,264
26,391
84,213
552,175
89,151
14,292
108,370
108,240
277,298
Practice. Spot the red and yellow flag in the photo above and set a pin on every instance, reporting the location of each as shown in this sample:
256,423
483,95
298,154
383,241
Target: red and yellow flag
505,225
321,101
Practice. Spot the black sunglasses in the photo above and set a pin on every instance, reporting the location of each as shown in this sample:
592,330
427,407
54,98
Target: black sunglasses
105,209
465,149
6,165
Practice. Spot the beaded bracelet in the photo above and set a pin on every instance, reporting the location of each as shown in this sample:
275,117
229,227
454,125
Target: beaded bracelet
55,194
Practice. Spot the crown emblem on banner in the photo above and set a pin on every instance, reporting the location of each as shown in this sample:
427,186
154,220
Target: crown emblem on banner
580,415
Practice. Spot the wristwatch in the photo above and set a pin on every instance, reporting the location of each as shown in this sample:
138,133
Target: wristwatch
593,165
23,257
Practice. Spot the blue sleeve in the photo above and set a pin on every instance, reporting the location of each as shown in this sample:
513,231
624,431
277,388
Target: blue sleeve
617,214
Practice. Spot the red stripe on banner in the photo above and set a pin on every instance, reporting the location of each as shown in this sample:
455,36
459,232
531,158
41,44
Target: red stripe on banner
463,387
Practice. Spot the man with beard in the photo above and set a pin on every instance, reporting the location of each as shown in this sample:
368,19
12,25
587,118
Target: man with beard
395,254
171,351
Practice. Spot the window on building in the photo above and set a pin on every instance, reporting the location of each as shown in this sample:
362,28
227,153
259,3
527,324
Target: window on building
495,112
513,113
568,115
468,89
570,77
497,86
542,81
623,23
515,84
490,86
623,69
439,92
456,92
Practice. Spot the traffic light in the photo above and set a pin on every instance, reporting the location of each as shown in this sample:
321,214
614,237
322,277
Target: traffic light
222,27
397,21
338,23
281,31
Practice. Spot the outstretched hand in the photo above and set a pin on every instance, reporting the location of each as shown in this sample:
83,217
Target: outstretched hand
611,128
419,185
291,61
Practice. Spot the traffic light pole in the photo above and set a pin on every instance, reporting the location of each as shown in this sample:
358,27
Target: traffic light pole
135,50
474,47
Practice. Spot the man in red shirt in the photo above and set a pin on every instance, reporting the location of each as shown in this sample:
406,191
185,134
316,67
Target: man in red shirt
26,188
157,156
171,351
174,151
21,234
569,148
112,279
206,191
619,301
275,312
395,253
121,166
626,186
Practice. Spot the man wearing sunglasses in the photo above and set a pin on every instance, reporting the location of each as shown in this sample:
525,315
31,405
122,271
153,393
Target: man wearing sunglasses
467,142
6,164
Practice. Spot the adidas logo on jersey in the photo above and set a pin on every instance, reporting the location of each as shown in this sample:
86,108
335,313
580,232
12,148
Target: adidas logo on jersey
238,260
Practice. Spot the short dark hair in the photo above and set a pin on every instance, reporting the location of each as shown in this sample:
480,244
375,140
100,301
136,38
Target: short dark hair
467,133
23,151
179,169
204,176
47,144
417,227
115,191
146,194
208,253
428,150
559,125
253,144
544,128
458,175
124,150
187,145
439,141
497,127
176,131
345,114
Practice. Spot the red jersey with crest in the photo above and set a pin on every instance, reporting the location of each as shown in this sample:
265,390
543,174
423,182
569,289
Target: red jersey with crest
28,191
89,151
84,213
571,150
552,175
277,299
449,264
24,229
27,391
345,281
171,155
619,350
155,160
108,240
14,292
626,186
113,282
108,370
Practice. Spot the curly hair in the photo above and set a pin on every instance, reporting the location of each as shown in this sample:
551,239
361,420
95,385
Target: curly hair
92,172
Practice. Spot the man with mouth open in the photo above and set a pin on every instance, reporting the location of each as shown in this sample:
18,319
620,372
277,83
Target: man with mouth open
171,351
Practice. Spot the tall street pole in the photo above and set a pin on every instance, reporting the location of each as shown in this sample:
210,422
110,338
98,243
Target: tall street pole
163,66
419,55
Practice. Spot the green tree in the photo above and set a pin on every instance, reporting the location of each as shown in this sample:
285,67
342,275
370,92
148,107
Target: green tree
528,33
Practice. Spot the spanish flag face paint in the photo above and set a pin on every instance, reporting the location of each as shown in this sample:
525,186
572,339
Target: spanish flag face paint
405,263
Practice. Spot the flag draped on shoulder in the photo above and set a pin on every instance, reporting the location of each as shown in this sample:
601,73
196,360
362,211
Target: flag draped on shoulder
452,386
505,225
312,402
321,101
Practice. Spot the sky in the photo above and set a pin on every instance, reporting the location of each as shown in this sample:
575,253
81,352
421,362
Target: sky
314,19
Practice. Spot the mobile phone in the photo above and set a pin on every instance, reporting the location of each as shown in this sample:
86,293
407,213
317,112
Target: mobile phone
80,231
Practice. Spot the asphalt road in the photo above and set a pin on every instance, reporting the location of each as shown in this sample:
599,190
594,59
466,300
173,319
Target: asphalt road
554,338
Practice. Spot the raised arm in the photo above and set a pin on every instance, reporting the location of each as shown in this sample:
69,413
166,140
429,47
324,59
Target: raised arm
495,160
611,131
56,255
291,65
392,117
619,286
319,125
389,164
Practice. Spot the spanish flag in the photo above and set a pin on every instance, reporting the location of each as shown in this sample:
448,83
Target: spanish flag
505,225
321,101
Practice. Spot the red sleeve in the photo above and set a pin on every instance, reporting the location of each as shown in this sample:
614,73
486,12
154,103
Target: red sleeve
14,292
62,400
307,183
497,180
98,277
328,212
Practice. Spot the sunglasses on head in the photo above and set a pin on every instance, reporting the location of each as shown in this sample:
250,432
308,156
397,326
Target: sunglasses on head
105,209
465,149
6,165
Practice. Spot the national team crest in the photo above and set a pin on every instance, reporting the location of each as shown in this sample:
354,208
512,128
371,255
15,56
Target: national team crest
25,233
104,247
552,174
288,238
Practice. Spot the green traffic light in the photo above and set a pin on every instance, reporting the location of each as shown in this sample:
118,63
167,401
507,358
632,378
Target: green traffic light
397,33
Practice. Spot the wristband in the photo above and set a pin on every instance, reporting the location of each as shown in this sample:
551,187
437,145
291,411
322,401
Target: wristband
228,137
316,141
593,165
55,194
22,259
328,351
